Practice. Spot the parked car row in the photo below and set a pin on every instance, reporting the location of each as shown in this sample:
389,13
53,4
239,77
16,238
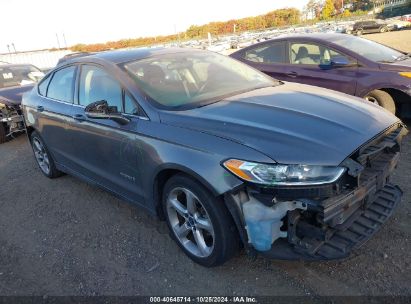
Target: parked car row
228,156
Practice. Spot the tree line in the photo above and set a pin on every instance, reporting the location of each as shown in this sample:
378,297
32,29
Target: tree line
318,9
276,18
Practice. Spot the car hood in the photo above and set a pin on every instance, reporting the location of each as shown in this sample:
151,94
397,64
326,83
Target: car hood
12,96
290,123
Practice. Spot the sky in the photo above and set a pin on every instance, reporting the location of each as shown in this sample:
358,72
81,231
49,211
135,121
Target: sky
31,25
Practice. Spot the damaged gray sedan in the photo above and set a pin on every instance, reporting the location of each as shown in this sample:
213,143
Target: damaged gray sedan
229,157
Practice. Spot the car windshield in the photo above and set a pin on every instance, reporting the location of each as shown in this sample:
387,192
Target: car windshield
368,49
193,79
17,75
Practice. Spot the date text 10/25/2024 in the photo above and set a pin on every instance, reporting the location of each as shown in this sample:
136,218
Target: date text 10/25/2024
235,299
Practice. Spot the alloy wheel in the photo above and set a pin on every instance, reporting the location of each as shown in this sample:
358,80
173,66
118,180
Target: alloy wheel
190,222
41,155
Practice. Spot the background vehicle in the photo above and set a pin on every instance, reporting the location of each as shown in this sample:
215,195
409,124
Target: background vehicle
12,75
406,18
398,24
15,79
344,63
220,150
367,27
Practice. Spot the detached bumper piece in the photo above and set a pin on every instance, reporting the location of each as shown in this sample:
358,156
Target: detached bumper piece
337,244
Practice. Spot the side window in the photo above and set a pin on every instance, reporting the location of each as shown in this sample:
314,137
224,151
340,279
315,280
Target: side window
268,53
130,106
61,85
43,86
305,53
314,54
96,84
331,55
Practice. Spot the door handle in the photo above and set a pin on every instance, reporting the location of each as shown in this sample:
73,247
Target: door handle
79,117
40,108
293,74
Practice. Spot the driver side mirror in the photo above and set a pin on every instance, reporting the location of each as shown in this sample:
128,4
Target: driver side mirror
101,110
338,62
341,62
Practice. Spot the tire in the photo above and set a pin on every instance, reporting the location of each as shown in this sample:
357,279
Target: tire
348,32
3,134
43,157
383,29
383,99
359,32
220,240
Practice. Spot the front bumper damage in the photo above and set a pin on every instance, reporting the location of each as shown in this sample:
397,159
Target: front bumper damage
12,119
325,222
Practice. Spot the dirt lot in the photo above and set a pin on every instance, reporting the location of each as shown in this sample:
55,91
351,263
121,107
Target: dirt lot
400,40
64,237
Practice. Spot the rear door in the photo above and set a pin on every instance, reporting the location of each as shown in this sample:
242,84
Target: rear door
310,63
269,57
53,112
105,151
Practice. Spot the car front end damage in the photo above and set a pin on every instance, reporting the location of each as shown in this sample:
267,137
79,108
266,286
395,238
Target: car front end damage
11,114
323,221
11,119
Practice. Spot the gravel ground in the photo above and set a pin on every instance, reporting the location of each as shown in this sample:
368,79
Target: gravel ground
400,40
65,237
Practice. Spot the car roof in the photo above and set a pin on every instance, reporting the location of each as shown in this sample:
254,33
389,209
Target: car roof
310,36
126,55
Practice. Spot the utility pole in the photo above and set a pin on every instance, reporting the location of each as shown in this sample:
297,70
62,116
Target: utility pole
8,47
12,44
58,41
64,39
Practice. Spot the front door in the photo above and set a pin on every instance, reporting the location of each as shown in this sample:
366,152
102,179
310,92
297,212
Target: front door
310,63
106,151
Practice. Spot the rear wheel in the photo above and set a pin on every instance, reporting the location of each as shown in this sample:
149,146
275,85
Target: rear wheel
383,29
3,134
43,157
199,223
359,32
382,99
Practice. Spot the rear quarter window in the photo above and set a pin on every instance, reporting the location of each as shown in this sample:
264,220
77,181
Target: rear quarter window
61,85
42,87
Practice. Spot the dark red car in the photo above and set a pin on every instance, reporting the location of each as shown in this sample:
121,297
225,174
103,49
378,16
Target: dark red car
340,62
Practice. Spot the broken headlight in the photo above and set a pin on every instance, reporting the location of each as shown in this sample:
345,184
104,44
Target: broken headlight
283,175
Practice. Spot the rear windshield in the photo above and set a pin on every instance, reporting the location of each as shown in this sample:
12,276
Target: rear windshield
19,75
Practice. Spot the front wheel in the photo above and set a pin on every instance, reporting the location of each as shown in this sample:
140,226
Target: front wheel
199,223
382,99
359,33
383,30
43,157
